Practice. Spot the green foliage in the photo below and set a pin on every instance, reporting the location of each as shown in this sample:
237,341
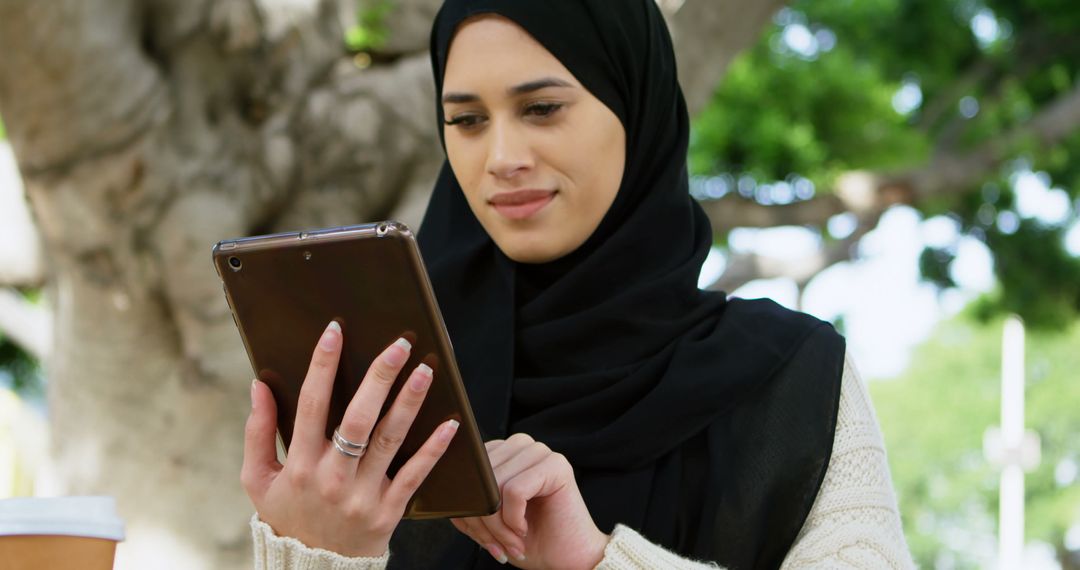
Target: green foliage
3,133
934,417
934,266
778,114
821,94
20,371
370,31
1042,278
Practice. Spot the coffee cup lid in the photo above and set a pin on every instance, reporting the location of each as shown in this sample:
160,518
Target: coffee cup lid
91,517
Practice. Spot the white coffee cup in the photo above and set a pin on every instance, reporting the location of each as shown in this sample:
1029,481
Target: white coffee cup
59,533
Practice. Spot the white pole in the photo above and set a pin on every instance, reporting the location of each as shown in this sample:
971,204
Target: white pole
1011,517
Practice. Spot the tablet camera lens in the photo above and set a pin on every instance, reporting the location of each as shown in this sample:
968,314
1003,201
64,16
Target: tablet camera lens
307,255
234,262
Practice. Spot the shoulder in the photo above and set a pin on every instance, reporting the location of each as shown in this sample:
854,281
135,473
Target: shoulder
765,317
780,436
768,312
801,342
855,514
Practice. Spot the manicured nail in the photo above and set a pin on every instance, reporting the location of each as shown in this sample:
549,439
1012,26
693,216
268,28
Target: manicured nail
331,337
253,382
421,378
497,553
397,358
516,554
448,430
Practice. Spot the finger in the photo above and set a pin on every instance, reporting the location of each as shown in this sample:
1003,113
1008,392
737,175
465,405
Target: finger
310,427
392,429
474,529
459,524
508,538
542,480
417,468
524,459
511,447
367,402
260,445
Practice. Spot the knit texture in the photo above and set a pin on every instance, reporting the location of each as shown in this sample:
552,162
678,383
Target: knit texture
274,552
628,550
854,523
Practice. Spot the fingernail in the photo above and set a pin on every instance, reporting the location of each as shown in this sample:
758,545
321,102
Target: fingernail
331,337
421,378
253,393
398,357
516,554
497,553
448,431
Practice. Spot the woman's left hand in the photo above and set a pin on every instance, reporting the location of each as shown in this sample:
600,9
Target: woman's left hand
543,521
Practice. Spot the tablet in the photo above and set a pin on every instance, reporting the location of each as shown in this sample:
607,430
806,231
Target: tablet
284,288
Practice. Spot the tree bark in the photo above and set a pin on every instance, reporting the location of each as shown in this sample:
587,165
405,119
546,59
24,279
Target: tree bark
709,34
145,131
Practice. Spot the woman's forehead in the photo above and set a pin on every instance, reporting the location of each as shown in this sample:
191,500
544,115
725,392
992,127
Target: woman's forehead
491,50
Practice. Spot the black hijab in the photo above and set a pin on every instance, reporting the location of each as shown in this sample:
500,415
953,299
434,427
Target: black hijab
668,401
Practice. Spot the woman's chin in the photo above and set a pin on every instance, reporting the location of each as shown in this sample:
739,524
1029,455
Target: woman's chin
533,250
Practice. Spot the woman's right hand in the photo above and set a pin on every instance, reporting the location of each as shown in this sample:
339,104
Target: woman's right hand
320,496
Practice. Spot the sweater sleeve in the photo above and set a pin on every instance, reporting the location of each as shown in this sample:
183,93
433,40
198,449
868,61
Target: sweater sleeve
854,522
273,552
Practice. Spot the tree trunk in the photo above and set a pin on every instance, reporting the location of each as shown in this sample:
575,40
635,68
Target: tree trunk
147,130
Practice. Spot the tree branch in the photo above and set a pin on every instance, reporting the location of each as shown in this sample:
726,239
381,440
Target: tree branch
957,172
864,194
736,211
868,195
708,34
54,122
746,267
933,111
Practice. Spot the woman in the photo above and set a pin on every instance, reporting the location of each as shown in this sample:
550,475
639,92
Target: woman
634,420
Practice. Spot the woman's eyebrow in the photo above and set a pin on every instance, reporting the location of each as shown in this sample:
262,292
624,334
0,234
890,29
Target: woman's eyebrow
459,98
537,85
527,87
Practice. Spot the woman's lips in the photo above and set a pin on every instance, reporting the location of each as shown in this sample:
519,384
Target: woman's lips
522,203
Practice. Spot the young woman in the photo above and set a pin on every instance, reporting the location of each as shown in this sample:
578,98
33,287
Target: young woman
634,420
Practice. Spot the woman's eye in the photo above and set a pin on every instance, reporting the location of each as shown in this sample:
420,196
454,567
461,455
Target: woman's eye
465,121
542,109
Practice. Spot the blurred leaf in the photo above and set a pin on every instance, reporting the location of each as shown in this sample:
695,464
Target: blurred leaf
370,31
933,418
934,265
820,95
20,371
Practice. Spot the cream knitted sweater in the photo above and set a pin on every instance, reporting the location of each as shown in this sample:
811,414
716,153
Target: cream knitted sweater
854,523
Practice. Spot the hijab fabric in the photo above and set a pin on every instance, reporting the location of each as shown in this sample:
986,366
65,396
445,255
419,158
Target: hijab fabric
611,355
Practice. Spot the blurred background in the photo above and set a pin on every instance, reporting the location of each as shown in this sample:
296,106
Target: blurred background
906,169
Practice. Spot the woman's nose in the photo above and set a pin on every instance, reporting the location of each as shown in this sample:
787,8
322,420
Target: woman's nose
508,152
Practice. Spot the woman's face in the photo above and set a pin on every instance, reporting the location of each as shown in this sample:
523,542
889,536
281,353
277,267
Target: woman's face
539,158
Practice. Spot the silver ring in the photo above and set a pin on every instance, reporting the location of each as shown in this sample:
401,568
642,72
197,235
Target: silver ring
346,447
346,452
